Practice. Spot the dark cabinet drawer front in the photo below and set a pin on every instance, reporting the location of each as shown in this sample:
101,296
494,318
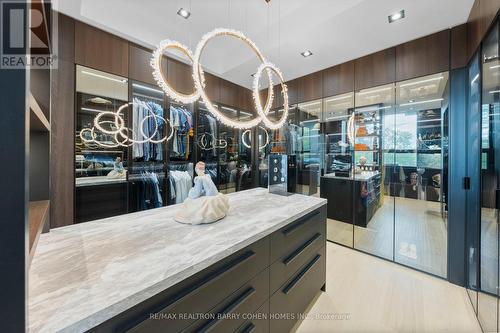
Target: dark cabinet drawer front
207,290
258,322
230,314
289,238
297,293
284,268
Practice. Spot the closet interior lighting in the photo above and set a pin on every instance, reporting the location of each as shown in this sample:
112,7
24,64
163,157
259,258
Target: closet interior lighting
422,81
147,88
366,92
105,77
422,102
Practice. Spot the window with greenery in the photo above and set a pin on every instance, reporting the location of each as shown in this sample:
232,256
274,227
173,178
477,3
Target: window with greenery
399,139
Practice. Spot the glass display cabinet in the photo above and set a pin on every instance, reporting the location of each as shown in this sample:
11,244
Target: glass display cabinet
99,191
309,146
372,131
148,167
229,160
207,140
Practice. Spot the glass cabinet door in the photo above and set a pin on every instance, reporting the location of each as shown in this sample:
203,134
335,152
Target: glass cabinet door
372,130
487,311
229,161
338,164
246,142
310,157
207,140
420,214
473,172
101,160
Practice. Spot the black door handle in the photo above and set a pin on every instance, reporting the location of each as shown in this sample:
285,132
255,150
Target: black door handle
466,183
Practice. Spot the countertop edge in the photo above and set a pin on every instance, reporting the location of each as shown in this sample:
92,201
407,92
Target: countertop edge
117,308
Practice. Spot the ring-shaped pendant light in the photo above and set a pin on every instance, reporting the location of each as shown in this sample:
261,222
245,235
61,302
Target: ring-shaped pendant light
159,76
245,143
199,77
199,80
124,132
258,105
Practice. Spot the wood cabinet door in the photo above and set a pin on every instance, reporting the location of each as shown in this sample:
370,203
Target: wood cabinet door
474,32
423,56
139,68
338,79
212,87
179,76
245,99
293,95
458,50
375,69
100,50
228,93
310,87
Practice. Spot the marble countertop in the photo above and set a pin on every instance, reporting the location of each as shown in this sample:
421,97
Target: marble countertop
363,176
97,180
84,274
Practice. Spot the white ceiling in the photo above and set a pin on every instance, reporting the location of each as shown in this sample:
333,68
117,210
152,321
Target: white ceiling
334,30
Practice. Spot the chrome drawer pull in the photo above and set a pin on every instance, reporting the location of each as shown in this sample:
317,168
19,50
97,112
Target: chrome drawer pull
301,249
300,222
297,279
228,310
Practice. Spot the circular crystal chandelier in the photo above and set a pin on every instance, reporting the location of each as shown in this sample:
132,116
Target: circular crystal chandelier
199,80
123,136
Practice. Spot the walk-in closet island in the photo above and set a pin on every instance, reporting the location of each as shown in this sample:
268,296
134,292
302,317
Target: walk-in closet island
144,272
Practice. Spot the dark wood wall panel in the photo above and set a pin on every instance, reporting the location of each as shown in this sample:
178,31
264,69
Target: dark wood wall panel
100,50
310,87
481,17
423,56
212,87
245,99
139,68
278,96
179,75
62,132
488,10
458,48
228,93
375,69
293,95
474,34
66,44
338,79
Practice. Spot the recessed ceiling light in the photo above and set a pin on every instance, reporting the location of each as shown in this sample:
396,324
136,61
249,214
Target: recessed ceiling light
306,54
396,16
184,13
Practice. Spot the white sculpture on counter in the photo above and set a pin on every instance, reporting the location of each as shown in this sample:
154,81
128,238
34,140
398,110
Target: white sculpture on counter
118,171
204,203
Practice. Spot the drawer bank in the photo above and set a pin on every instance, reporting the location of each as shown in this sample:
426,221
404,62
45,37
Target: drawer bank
257,270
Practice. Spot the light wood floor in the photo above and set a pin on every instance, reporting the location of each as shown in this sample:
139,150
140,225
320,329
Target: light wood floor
379,296
420,234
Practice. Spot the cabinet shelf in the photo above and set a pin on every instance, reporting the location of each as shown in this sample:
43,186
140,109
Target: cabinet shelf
38,121
37,215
